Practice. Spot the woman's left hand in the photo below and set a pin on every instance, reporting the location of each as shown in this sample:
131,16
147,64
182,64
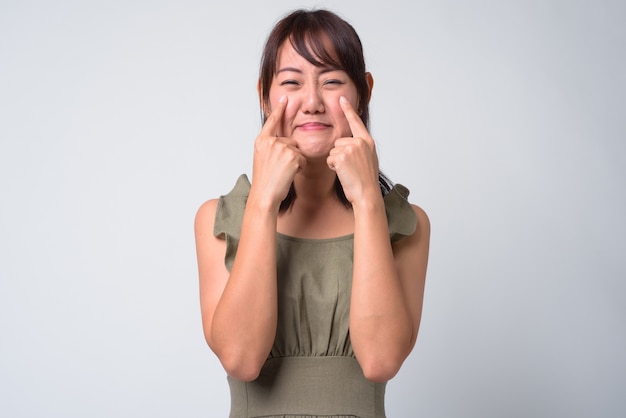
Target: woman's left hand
354,158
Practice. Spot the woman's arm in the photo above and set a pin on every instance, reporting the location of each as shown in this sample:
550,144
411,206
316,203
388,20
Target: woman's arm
387,290
239,310
387,281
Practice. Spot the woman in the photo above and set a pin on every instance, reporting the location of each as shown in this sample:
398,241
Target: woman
312,275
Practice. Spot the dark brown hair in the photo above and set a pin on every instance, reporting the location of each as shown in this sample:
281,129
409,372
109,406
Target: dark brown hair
324,39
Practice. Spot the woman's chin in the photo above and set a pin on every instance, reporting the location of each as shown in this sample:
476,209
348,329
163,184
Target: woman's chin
315,153
315,148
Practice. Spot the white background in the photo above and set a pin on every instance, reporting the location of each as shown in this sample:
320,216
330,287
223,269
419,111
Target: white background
504,118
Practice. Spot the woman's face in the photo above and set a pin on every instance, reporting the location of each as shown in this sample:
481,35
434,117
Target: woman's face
313,116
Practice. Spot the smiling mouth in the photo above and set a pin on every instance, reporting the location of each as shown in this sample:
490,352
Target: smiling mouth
313,126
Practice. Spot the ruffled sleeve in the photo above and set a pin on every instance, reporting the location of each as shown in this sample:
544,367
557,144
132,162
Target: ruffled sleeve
229,216
401,217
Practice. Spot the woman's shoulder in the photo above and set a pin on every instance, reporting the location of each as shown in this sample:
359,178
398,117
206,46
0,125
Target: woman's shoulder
207,208
423,221
205,216
419,212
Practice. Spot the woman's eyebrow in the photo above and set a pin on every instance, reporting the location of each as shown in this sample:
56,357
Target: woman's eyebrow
297,70
289,69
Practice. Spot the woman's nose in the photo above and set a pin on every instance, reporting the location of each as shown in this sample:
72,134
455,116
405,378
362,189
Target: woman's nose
313,101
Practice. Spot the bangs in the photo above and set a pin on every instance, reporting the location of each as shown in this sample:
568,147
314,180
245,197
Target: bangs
314,45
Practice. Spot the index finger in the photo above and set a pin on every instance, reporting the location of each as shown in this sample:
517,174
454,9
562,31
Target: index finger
354,121
272,124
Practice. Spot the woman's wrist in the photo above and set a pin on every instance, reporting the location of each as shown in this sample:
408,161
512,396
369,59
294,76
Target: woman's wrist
262,203
369,201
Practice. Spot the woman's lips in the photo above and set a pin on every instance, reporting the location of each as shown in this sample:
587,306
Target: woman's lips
312,126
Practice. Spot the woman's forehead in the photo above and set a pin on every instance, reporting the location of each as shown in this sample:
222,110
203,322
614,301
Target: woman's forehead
318,49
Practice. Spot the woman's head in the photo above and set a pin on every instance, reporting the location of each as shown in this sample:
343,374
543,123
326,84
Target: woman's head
324,40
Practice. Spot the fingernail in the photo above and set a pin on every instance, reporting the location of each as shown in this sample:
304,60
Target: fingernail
282,99
343,99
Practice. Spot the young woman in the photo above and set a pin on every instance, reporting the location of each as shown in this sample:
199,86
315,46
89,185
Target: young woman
312,275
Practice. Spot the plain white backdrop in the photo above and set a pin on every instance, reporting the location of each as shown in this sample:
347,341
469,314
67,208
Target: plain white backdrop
504,118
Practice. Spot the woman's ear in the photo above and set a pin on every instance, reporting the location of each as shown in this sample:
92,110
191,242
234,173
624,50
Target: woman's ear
370,84
262,103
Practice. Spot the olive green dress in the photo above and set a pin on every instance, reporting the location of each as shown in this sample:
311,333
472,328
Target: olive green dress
311,370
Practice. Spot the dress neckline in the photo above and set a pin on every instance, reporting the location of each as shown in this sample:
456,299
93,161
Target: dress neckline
314,240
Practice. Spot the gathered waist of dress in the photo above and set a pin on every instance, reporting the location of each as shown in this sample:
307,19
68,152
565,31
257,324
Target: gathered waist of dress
308,386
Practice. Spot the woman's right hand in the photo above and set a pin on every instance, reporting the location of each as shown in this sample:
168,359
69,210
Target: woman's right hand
276,161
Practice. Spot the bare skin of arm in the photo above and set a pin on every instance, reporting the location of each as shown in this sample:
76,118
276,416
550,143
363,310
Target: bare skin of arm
388,281
387,292
239,310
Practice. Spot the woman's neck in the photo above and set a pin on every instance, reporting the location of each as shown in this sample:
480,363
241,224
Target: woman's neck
315,184
317,211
